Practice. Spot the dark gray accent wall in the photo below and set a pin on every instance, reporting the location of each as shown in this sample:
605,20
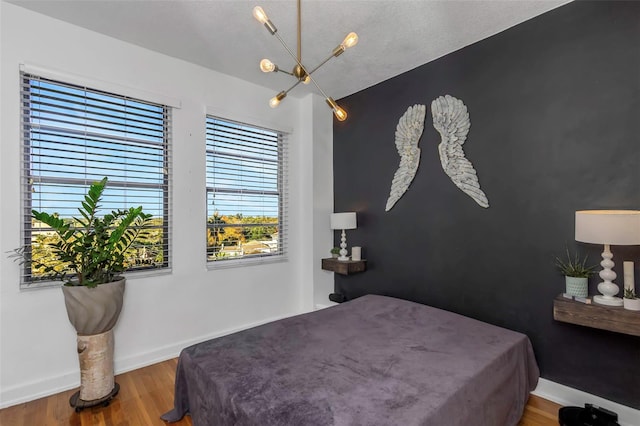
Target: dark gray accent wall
555,127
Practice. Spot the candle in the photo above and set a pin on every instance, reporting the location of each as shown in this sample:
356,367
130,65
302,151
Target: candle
356,253
628,276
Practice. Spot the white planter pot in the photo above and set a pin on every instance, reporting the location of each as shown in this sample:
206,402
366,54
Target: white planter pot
631,304
577,286
93,312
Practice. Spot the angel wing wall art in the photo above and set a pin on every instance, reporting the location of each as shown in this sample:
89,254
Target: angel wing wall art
451,120
408,134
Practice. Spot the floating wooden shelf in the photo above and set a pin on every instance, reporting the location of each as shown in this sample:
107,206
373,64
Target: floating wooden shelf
345,267
612,318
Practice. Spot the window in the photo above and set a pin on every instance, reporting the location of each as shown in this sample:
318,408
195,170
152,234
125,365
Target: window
246,214
73,136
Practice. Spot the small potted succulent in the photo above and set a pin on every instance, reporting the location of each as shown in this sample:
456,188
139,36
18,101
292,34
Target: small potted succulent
630,301
576,274
335,252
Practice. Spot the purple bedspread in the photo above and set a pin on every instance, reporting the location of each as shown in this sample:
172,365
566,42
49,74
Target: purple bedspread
375,360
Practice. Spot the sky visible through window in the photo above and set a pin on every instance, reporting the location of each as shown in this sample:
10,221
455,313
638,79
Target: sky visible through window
79,136
242,170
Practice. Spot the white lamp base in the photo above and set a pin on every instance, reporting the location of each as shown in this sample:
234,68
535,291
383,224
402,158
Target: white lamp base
343,247
608,288
607,300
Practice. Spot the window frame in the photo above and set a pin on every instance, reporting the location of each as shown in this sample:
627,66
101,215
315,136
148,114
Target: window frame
282,192
28,75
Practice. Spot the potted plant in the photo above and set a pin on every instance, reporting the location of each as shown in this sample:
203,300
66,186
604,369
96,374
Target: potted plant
335,252
576,274
630,301
90,254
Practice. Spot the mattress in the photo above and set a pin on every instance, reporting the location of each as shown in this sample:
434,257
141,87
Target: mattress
374,360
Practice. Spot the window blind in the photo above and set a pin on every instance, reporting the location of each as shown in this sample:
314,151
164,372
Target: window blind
73,136
246,193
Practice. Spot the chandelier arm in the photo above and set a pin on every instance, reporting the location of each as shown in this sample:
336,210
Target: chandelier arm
299,63
292,87
321,64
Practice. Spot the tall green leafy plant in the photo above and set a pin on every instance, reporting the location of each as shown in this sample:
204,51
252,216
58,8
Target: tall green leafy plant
90,249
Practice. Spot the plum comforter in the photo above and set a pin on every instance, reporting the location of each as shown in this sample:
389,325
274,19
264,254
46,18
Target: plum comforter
374,360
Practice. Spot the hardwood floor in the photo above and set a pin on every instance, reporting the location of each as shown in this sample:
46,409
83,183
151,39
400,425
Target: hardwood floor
147,393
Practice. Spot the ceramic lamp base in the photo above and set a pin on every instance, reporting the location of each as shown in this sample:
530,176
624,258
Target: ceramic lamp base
607,300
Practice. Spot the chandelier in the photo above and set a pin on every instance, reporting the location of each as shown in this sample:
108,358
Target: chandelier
300,72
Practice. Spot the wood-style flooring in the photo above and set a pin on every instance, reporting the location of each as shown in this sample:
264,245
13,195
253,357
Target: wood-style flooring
147,393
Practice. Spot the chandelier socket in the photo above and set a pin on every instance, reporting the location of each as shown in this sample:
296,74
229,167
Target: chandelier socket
339,50
272,28
275,101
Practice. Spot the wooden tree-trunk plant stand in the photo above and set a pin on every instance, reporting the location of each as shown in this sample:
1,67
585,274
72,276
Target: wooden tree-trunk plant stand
94,312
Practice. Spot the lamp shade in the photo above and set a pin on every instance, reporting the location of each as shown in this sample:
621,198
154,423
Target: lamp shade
613,227
343,220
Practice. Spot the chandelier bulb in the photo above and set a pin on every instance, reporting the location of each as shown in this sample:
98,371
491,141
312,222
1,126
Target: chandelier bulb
349,41
340,114
267,66
275,101
259,14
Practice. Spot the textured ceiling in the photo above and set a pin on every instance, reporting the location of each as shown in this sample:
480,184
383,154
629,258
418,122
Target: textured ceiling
395,36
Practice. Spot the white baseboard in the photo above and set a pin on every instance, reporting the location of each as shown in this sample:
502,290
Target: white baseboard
567,396
26,392
319,306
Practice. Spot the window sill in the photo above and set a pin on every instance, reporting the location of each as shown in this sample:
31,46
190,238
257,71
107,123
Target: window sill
241,263
130,276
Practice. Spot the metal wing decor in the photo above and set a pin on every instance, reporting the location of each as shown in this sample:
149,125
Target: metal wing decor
408,134
451,120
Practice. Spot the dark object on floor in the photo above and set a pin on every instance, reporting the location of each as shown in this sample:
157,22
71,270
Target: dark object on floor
337,297
590,415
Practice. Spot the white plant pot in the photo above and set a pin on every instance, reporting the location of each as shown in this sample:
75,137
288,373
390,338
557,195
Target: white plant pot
577,286
631,304
93,312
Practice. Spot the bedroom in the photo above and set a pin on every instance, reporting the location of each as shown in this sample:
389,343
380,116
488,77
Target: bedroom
162,306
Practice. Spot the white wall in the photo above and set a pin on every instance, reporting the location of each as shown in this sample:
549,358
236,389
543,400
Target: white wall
161,314
317,197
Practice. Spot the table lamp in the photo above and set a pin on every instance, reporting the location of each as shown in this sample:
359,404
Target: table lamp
343,221
608,227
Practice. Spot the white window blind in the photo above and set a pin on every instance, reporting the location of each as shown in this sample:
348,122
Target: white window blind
73,136
246,193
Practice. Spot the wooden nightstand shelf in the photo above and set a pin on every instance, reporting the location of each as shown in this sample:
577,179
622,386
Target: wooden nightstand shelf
344,267
612,318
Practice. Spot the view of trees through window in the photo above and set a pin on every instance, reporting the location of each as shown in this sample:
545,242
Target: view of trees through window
74,136
244,191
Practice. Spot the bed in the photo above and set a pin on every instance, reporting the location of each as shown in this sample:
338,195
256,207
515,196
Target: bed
375,360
